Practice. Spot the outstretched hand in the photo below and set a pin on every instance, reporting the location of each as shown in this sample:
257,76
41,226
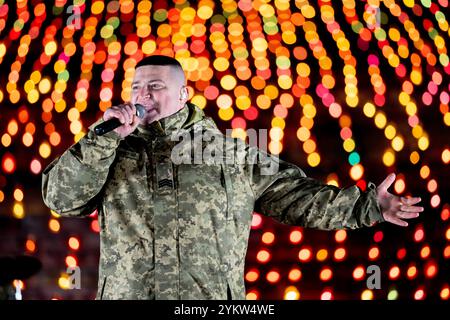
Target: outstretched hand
395,208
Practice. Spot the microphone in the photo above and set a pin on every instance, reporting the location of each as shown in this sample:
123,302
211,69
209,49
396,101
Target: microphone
113,123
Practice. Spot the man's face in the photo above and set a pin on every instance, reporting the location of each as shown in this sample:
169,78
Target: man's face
160,89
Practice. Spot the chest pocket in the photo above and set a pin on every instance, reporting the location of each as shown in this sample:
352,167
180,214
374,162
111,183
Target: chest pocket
202,188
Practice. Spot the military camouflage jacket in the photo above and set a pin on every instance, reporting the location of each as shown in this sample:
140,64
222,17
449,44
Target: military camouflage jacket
174,227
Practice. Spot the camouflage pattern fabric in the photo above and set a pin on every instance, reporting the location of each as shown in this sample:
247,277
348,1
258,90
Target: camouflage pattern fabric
173,227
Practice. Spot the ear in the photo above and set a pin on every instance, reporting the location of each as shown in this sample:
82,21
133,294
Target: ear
184,95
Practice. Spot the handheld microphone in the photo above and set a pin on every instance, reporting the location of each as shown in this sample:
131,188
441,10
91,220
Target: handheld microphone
111,124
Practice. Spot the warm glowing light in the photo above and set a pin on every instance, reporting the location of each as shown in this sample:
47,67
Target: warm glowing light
296,236
291,293
74,243
295,275
54,225
263,256
273,276
367,295
305,255
252,275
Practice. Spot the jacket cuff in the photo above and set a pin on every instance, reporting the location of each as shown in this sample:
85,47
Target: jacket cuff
375,215
110,139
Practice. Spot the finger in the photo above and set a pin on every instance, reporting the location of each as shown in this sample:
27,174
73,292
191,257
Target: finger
398,222
131,114
410,201
125,113
116,113
411,208
407,215
387,182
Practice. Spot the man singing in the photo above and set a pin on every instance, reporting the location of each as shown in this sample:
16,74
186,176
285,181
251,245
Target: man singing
174,229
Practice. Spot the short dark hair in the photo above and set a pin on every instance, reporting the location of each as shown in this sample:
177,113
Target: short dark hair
158,60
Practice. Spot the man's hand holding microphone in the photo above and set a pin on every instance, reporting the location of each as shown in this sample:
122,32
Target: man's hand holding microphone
123,119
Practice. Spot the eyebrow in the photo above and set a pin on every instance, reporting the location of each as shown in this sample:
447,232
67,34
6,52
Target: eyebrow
154,80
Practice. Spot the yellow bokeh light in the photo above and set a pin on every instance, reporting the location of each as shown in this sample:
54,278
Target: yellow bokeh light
221,64
313,159
303,69
243,102
389,158
404,98
148,47
390,132
275,147
369,109
228,82
200,101
416,77
303,134
44,150
63,282
349,145
291,293
356,172
18,211
35,76
285,82
423,143
397,144
205,12
367,295
6,140
411,108
309,111
226,114
380,120
50,48
260,44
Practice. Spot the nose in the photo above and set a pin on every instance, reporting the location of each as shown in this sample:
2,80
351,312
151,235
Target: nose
145,91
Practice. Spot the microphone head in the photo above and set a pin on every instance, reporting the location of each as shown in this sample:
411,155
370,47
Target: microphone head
140,110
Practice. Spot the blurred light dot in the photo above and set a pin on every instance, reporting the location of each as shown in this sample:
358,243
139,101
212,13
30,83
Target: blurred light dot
419,294
44,150
252,295
305,255
273,276
74,243
394,272
95,226
296,236
30,245
64,283
268,237
392,295
425,252
359,273
367,295
326,295
256,221
326,274
374,253
263,256
18,211
71,261
252,275
291,293
322,255
295,275
54,225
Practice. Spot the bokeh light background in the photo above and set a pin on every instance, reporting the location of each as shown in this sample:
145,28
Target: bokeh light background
349,91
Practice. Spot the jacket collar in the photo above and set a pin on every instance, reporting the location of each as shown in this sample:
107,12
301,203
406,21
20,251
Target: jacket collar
181,119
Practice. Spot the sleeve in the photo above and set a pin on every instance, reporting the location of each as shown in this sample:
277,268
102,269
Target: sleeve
71,183
284,192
